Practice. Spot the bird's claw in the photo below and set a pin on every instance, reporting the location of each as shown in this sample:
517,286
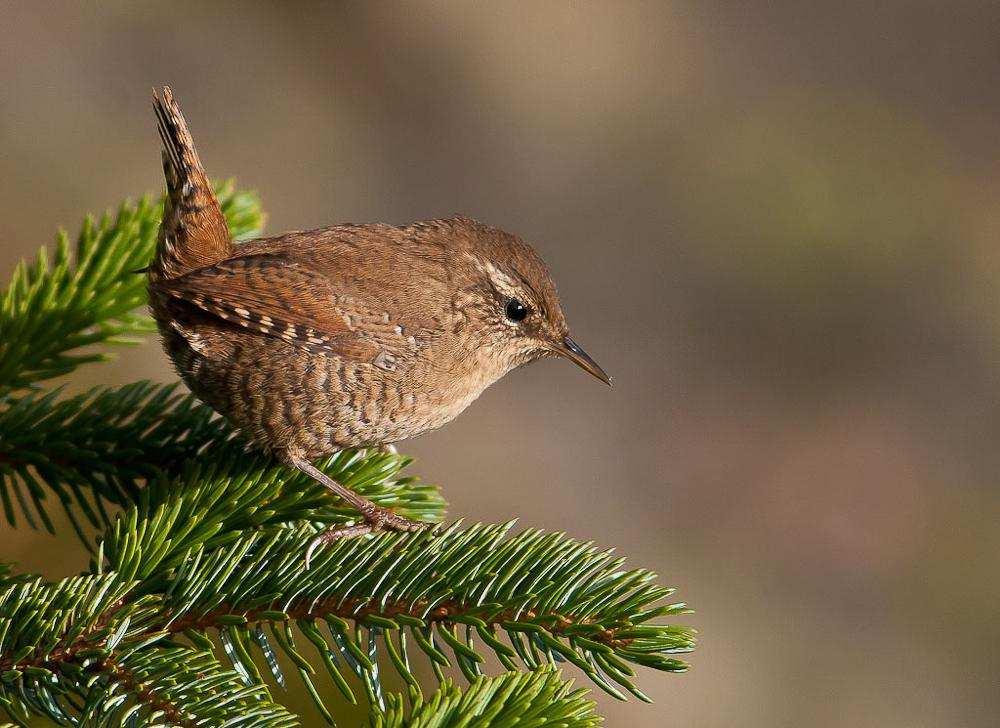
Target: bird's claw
385,520
378,519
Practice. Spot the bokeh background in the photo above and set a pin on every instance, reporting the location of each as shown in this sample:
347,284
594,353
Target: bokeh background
775,223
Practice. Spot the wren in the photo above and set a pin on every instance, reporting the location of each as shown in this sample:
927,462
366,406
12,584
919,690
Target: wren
346,336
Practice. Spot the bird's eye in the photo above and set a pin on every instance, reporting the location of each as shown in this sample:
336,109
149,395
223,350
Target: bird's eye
516,311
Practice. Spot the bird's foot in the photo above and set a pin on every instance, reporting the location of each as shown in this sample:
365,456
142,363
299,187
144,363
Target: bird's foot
383,519
376,519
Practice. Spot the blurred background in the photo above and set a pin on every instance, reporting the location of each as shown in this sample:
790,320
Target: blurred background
775,223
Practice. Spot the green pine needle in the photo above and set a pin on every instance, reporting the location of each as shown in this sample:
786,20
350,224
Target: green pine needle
177,686
540,699
202,543
53,313
556,599
101,448
96,448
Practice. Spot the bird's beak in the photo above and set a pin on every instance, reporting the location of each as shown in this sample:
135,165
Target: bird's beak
569,349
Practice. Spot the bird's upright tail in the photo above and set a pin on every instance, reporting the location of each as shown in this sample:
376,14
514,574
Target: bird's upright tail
193,233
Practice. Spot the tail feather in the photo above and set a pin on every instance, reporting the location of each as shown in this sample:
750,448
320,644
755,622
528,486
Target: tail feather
193,233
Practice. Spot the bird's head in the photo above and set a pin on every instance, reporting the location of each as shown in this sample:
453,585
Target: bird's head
510,295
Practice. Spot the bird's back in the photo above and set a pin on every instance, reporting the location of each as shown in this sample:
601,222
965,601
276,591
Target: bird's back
317,340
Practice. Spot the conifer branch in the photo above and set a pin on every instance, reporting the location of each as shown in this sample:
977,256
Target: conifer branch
102,447
531,698
203,543
556,599
52,313
176,686
96,448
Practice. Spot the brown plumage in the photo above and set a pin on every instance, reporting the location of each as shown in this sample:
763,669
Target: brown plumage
347,336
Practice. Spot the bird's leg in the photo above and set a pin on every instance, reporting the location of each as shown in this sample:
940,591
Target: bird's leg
376,517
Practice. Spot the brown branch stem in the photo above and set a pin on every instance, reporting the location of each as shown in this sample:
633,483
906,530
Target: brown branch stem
351,609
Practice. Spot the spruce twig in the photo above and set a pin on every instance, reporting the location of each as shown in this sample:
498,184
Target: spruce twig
200,543
53,313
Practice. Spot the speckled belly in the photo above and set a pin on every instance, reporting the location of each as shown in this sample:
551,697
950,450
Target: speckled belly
287,399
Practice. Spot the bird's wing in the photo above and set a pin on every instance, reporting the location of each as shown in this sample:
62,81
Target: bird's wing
274,296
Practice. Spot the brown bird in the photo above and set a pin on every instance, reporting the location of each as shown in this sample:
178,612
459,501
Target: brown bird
346,336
